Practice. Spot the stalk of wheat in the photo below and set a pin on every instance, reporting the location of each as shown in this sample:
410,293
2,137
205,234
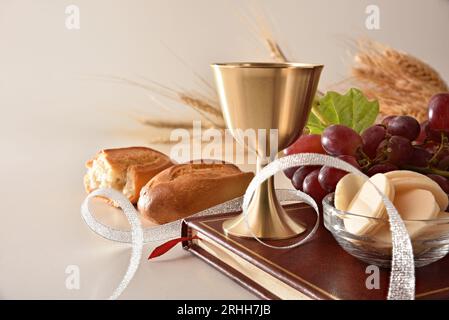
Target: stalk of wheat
207,109
403,84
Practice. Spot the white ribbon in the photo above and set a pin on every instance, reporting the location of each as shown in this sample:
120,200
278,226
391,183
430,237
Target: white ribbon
136,232
402,277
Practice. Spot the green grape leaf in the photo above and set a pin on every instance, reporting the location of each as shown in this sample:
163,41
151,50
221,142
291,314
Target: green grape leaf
314,124
352,109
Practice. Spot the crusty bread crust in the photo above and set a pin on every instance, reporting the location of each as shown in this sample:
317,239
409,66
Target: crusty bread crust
185,189
139,175
125,169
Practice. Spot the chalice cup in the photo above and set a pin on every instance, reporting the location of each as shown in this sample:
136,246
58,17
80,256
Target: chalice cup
270,98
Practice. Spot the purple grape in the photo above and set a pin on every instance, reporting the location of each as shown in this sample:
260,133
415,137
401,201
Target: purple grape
439,112
420,157
307,143
340,140
443,153
404,126
330,176
443,164
372,137
312,186
300,174
397,150
387,120
381,168
290,171
431,134
422,132
310,143
442,181
351,160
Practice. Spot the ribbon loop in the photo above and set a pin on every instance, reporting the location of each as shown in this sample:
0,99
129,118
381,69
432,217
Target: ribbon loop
136,231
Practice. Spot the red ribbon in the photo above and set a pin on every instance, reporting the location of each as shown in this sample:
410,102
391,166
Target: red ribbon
165,247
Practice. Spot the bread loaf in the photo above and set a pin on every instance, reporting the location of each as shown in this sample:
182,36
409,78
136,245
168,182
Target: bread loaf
185,189
124,169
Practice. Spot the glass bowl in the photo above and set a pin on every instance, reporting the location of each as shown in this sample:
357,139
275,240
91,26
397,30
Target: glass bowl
430,238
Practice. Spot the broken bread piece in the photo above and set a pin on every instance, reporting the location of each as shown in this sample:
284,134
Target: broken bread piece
124,169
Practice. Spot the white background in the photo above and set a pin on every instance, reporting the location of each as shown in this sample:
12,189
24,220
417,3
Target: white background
55,115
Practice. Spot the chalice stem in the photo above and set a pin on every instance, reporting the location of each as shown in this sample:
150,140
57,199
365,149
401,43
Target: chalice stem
266,217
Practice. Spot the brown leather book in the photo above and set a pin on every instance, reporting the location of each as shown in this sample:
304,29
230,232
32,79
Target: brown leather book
319,269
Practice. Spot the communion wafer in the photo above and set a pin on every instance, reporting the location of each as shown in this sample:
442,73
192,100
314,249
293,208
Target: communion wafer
346,190
368,203
414,204
421,182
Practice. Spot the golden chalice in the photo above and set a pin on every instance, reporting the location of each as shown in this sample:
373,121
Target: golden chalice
277,98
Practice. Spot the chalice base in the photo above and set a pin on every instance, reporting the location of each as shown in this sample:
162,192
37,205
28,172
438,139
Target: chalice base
266,217
237,227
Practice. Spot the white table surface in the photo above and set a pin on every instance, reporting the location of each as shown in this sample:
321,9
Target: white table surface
42,232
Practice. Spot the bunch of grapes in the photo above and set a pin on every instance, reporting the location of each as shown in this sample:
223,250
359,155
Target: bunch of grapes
398,143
